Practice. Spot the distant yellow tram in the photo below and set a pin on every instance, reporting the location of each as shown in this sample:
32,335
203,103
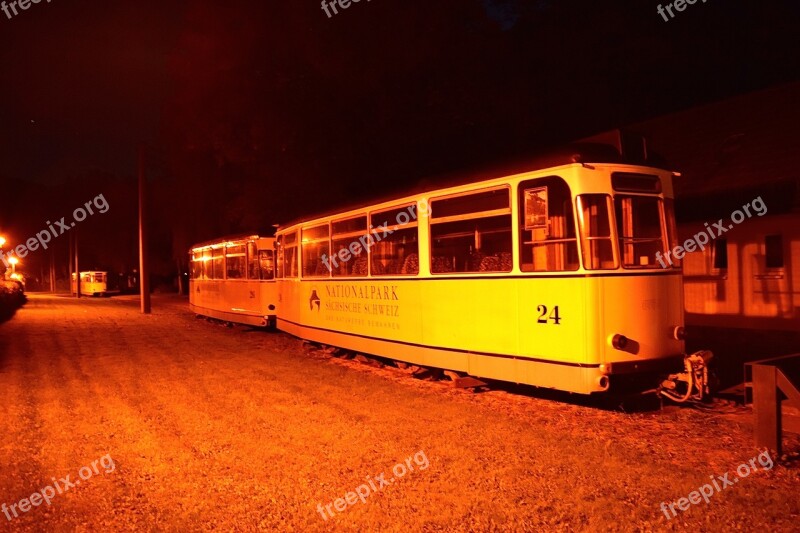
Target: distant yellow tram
547,277
93,283
233,280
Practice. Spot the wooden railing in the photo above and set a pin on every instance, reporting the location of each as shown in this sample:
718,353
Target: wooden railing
771,381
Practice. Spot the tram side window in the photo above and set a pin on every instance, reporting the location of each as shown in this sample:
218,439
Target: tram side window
197,265
639,227
597,246
316,251
266,263
472,233
395,248
217,263
287,254
349,255
547,226
208,266
253,272
279,256
235,261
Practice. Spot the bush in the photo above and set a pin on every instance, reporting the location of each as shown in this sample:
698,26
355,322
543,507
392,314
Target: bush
12,297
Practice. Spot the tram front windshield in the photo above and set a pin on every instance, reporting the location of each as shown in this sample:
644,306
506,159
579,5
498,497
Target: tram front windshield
640,232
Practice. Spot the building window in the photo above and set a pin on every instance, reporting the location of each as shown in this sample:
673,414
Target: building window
773,250
720,254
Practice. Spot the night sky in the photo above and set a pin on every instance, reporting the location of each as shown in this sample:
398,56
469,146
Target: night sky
258,112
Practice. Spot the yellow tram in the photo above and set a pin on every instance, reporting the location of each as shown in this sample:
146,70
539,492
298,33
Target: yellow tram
233,280
546,277
93,283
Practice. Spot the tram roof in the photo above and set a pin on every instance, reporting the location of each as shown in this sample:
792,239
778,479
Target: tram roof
230,238
599,149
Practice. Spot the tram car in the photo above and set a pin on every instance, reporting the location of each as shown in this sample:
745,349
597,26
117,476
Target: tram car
93,283
233,280
547,276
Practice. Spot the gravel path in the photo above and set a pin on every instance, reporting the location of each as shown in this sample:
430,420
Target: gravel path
193,426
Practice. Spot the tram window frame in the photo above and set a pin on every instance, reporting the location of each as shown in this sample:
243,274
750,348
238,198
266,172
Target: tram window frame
349,234
253,270
238,257
636,182
287,253
468,219
266,264
624,223
218,262
196,270
668,205
208,267
558,211
393,247
590,232
278,258
315,244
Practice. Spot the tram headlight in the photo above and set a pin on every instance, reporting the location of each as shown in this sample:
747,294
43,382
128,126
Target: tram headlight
679,333
619,342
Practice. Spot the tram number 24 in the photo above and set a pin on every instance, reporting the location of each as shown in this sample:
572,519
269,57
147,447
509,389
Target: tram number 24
554,317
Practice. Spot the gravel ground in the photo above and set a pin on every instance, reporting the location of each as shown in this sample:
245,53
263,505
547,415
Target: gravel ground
235,429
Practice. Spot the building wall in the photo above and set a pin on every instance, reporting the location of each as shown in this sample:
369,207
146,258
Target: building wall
748,293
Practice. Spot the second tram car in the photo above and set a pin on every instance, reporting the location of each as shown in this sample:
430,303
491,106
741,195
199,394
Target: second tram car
92,283
548,277
233,280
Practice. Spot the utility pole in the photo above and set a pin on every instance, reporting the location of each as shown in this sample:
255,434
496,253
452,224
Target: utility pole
70,263
144,273
77,268
52,270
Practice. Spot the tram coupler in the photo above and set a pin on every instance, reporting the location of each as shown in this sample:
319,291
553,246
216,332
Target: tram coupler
692,383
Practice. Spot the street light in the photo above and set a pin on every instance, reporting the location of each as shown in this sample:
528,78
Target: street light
2,241
13,261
